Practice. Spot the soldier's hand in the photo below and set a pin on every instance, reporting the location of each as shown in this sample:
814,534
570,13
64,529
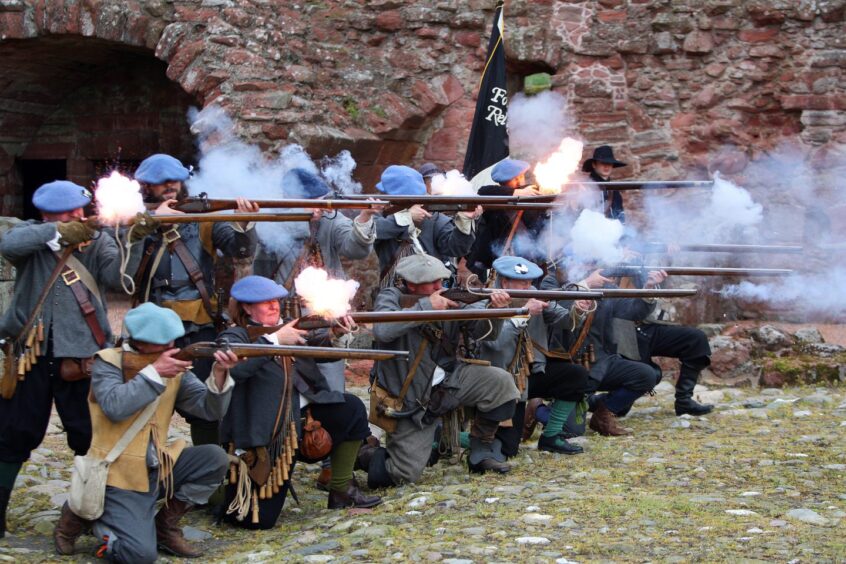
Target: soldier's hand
536,306
344,325
75,232
144,225
418,214
596,280
527,191
168,367
367,214
246,206
475,214
500,298
290,335
440,302
166,209
584,305
654,278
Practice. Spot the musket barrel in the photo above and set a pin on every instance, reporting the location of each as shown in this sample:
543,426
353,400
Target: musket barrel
215,217
648,293
246,350
205,205
725,248
546,294
422,316
645,184
616,271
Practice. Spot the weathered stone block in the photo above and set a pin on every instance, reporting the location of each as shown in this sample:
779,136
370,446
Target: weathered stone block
698,42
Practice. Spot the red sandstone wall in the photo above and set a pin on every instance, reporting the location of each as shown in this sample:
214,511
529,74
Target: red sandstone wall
671,83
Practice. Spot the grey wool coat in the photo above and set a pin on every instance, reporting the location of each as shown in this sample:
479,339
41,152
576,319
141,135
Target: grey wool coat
439,237
407,336
25,246
338,237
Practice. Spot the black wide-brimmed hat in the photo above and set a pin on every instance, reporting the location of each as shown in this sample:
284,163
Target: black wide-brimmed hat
602,154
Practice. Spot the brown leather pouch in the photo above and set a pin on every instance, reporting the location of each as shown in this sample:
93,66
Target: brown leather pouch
380,400
9,375
316,443
74,369
258,464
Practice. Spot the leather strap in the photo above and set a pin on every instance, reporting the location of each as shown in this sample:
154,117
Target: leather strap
177,246
385,278
133,430
42,297
89,312
412,370
310,255
141,273
582,335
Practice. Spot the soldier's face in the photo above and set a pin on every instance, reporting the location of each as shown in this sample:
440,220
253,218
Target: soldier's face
166,191
511,284
603,169
424,289
264,313
72,215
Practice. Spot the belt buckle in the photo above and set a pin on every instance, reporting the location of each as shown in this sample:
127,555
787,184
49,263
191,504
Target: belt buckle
70,277
171,235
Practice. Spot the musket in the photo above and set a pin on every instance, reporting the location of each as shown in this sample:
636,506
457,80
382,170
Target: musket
644,184
204,204
647,292
208,217
133,362
629,270
463,203
722,248
310,322
518,297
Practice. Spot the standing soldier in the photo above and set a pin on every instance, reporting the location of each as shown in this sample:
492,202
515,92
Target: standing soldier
599,168
177,263
435,381
147,468
331,237
521,349
61,264
415,230
497,227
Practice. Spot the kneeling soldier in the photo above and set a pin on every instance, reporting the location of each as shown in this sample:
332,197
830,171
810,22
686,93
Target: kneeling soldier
520,348
147,469
435,381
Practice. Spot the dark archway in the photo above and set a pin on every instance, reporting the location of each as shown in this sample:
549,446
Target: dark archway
80,106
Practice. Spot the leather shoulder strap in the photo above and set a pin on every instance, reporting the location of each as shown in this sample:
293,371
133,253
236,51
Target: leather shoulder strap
412,370
178,247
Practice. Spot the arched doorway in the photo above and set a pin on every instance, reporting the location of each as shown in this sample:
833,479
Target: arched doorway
74,107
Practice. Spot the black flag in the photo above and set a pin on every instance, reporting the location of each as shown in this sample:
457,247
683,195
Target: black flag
488,143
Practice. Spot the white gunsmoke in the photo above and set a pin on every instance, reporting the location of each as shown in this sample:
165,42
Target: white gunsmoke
452,183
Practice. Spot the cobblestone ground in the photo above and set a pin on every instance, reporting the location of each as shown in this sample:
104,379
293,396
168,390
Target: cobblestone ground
760,479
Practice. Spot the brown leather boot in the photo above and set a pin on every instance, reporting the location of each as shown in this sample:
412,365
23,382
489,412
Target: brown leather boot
69,528
530,419
323,478
605,423
169,533
352,497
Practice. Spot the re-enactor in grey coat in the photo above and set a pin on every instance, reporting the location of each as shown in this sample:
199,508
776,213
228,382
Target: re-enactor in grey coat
440,383
435,234
32,248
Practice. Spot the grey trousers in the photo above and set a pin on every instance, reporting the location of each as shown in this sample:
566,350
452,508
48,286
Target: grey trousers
409,447
128,519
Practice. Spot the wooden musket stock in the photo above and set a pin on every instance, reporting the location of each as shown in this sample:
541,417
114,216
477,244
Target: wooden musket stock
201,204
405,316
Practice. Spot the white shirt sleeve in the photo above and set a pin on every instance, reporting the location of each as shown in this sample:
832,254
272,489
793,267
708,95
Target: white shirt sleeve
151,374
228,384
53,243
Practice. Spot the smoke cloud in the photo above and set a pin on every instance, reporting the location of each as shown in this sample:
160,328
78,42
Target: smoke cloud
452,183
230,168
537,124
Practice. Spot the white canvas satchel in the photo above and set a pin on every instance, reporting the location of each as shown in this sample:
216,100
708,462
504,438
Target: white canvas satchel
88,480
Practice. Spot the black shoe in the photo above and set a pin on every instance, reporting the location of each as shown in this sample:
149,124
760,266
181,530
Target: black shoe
558,444
692,407
490,465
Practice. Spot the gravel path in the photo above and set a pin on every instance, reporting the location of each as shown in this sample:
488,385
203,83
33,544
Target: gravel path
762,478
